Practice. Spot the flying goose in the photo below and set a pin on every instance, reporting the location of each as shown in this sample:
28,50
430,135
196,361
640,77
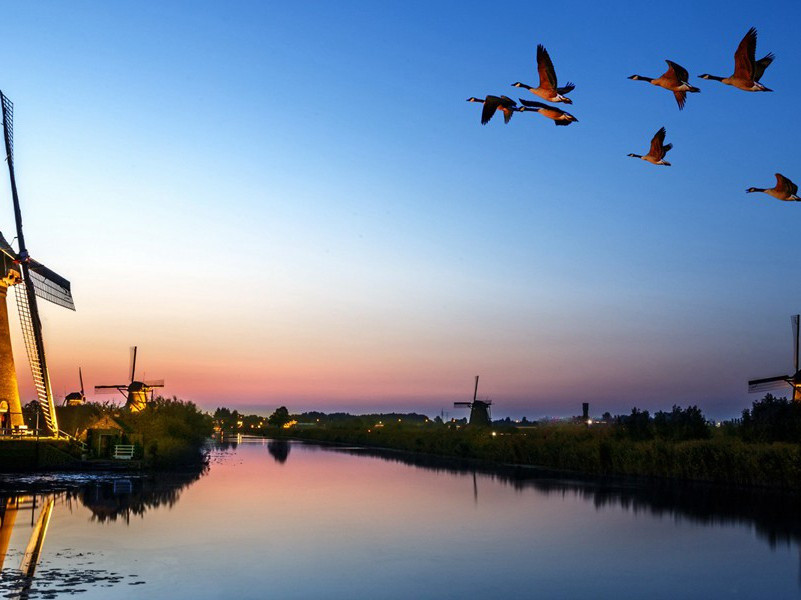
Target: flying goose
559,116
656,155
492,103
674,79
784,190
548,89
747,70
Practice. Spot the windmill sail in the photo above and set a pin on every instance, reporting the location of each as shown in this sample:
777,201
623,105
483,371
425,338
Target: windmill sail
33,343
768,384
49,285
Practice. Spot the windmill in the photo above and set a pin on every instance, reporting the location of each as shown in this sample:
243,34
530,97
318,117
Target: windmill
779,381
76,398
31,279
479,409
136,392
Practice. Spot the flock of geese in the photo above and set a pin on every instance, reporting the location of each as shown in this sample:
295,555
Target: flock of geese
747,74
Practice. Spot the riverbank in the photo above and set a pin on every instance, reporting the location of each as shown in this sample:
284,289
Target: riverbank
169,433
719,459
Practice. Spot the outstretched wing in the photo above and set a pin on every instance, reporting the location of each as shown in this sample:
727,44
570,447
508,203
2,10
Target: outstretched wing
680,99
533,104
677,71
762,64
567,89
745,56
545,69
656,144
782,183
491,104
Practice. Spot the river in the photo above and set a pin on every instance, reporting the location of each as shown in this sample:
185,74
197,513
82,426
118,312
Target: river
269,519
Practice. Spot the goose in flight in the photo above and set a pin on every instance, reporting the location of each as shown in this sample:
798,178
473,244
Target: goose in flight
559,116
674,79
747,70
784,190
548,88
492,103
656,155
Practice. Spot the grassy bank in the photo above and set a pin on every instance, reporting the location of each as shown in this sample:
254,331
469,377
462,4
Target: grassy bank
597,451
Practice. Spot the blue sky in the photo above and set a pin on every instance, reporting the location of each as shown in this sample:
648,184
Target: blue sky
295,204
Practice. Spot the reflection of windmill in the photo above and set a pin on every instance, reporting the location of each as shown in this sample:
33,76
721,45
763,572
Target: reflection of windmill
479,409
779,381
136,392
76,398
36,280
33,552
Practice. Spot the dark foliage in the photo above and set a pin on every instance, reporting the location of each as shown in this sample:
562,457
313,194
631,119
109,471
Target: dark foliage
772,420
681,424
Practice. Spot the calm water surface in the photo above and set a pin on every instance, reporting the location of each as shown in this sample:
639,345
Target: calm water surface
279,520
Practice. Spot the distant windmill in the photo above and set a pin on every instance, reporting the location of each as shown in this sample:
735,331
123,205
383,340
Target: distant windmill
479,409
136,392
779,381
76,398
31,279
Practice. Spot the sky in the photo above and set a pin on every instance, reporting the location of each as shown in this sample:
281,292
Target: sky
292,203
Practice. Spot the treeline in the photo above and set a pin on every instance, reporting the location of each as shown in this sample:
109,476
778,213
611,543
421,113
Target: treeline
762,448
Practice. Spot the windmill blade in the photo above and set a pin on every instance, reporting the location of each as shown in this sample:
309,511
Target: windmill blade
133,362
768,383
80,378
794,322
110,389
463,404
34,345
154,383
8,128
49,285
475,391
6,248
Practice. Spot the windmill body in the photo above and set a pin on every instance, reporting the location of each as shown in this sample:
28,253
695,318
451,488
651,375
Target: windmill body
479,409
782,381
137,393
10,406
31,280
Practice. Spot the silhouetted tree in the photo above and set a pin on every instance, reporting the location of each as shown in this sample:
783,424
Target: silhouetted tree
279,417
681,424
772,420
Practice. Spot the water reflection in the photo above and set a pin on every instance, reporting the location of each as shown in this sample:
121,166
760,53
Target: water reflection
123,498
279,449
773,515
107,499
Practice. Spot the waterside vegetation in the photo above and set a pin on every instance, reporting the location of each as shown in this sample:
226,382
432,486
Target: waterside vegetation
763,448
168,433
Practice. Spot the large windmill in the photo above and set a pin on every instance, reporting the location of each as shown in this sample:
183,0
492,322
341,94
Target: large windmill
31,279
479,409
137,393
780,381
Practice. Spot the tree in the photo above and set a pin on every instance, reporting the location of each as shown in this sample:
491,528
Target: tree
279,417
